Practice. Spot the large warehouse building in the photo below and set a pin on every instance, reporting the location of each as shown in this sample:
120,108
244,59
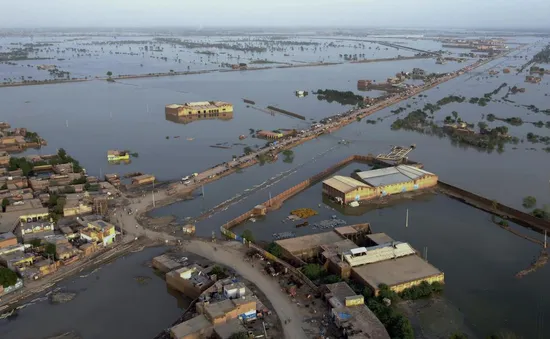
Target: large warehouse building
378,183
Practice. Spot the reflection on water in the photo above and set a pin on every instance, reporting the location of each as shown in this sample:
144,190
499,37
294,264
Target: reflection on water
120,162
225,116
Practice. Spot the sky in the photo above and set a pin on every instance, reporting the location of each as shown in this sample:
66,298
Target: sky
265,13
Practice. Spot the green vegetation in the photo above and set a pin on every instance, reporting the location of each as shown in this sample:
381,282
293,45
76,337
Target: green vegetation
20,163
219,272
55,205
529,202
5,204
79,181
275,249
542,213
289,156
51,250
247,234
7,277
343,98
488,140
542,57
423,290
247,150
109,74
397,325
331,279
399,110
514,121
4,187
239,335
534,138
450,99
458,335
35,242
313,271
372,122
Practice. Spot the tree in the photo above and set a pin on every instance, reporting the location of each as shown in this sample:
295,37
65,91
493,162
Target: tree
313,271
455,115
51,250
5,204
239,335
529,202
35,242
7,277
109,74
482,125
247,150
275,249
247,234
218,271
458,335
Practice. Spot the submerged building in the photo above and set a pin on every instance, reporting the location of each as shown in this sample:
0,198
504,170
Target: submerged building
202,109
378,183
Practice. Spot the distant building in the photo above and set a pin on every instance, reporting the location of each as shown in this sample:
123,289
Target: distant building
143,179
533,79
269,135
116,155
201,108
36,230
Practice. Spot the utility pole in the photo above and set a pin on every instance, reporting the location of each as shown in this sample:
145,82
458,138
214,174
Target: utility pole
407,219
153,193
544,238
269,198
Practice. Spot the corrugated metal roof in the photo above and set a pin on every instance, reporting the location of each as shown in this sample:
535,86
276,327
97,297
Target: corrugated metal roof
358,250
381,253
343,184
392,175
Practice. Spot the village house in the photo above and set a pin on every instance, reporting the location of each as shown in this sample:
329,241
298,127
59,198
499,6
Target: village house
4,158
99,232
16,260
75,207
7,239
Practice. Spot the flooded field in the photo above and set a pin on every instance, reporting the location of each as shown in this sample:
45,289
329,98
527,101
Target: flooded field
478,258
108,302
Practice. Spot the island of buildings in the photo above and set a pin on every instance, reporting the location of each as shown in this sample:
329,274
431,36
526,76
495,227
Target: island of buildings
201,109
17,139
116,155
53,214
372,184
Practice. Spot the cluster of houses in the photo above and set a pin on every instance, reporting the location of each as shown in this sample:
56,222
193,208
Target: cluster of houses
17,139
51,214
39,247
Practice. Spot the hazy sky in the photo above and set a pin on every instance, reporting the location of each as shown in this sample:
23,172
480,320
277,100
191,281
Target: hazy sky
384,13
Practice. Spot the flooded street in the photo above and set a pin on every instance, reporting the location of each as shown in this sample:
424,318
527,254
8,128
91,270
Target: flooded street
110,303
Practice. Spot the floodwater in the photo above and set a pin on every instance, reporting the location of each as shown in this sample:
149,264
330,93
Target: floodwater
479,258
110,303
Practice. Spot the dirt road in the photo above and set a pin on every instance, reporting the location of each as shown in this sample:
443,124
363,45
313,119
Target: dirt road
228,254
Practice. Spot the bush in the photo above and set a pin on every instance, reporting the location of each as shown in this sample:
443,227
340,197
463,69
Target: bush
331,279
239,335
529,202
51,250
313,271
35,242
275,249
397,325
423,290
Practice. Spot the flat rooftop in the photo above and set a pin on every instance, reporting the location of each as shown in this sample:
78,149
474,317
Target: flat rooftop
224,331
363,323
343,184
308,241
190,326
340,290
396,271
